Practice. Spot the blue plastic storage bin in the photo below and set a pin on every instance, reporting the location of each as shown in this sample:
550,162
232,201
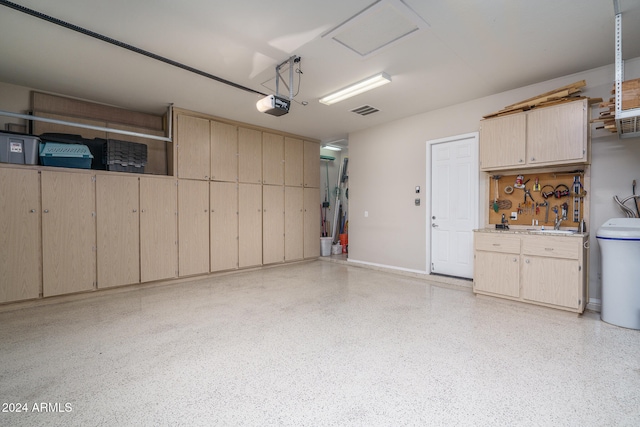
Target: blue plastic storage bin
65,155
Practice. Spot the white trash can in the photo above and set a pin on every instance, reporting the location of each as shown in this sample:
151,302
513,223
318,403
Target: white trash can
325,246
619,240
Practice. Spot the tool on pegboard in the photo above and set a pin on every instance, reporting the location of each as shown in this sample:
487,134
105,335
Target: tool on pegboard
577,187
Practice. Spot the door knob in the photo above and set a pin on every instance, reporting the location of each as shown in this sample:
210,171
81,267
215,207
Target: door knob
434,225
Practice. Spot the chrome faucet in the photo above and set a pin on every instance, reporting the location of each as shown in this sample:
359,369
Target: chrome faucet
559,219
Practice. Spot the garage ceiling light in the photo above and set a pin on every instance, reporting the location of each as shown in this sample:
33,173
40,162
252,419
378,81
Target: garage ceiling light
356,88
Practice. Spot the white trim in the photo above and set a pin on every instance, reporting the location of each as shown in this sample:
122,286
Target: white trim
429,144
390,267
594,304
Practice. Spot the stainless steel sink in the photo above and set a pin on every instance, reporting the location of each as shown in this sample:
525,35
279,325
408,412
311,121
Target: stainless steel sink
552,231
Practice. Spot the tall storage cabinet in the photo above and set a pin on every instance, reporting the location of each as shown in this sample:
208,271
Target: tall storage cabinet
20,251
224,225
193,227
312,222
294,223
249,225
293,162
118,230
249,156
224,152
312,166
273,224
272,159
158,229
68,232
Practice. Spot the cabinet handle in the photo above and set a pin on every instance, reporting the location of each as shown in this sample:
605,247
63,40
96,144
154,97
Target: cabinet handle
206,210
496,244
32,211
516,259
206,177
46,211
548,249
520,161
527,261
135,210
533,159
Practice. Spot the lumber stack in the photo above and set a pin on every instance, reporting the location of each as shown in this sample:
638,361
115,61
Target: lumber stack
560,95
630,100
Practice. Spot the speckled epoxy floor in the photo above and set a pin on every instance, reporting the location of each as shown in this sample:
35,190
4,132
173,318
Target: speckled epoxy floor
317,344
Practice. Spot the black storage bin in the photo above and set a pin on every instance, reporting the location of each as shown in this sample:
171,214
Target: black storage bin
125,156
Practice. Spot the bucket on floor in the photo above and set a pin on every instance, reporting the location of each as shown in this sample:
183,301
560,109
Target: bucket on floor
336,249
325,246
344,241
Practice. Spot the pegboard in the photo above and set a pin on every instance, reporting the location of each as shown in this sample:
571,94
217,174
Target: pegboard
558,183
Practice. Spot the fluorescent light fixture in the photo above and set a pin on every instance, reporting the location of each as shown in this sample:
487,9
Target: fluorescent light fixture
356,88
332,148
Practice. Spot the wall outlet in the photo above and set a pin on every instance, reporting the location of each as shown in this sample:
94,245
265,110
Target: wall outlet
366,214
514,216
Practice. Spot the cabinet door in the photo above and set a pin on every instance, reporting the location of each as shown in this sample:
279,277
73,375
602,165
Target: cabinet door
273,224
249,156
193,227
497,273
20,259
557,134
193,147
311,222
552,281
249,225
503,141
224,226
224,152
272,159
294,223
118,230
311,165
293,162
68,233
158,229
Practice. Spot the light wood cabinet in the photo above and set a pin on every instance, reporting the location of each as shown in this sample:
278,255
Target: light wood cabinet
557,134
158,229
503,142
224,225
249,225
540,269
311,222
249,156
272,159
193,136
118,230
193,227
20,251
224,152
68,232
273,224
497,265
311,165
546,136
554,271
293,162
294,223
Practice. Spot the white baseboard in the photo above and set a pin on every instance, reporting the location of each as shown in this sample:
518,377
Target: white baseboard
594,305
388,267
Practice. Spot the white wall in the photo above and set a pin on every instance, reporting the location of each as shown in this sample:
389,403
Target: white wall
15,99
388,161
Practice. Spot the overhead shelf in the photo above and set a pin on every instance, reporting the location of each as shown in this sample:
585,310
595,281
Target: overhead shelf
627,121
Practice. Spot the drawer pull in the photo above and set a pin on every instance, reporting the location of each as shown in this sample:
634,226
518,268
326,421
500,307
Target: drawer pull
548,249
496,244
527,261
515,259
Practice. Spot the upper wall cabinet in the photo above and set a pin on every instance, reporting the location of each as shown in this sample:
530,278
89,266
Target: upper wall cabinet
556,135
293,163
224,152
311,164
193,147
249,156
272,159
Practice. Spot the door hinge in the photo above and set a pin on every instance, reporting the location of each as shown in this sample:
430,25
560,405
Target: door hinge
433,267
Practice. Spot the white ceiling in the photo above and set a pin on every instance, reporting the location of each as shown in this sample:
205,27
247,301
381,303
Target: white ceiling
471,49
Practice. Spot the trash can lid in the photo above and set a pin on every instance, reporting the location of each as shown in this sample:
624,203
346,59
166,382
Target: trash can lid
620,229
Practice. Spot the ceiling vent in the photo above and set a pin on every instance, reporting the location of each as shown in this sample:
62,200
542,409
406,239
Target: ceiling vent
365,110
380,25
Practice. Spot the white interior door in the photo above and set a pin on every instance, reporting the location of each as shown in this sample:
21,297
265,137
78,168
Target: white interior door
454,204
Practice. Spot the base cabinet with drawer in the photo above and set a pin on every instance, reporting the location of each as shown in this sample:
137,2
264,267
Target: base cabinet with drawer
539,269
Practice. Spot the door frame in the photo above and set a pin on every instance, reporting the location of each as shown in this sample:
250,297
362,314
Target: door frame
428,193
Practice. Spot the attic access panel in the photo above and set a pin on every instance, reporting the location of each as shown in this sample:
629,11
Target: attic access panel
382,24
